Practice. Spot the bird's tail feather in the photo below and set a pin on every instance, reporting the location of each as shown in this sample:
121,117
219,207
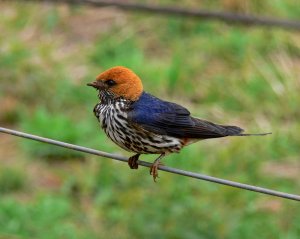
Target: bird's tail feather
232,130
260,134
237,131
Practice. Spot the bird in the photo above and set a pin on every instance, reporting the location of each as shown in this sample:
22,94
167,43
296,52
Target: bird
144,124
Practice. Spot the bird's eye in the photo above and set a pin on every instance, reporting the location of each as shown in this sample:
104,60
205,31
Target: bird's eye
110,82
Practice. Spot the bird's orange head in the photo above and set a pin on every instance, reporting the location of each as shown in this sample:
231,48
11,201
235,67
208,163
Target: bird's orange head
120,82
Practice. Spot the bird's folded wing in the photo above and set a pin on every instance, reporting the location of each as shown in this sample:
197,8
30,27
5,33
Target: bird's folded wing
170,119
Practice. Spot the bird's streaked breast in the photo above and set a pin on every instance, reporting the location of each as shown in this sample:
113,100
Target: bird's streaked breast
113,119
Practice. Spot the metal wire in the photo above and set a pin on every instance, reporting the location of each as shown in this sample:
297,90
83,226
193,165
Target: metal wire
229,17
146,164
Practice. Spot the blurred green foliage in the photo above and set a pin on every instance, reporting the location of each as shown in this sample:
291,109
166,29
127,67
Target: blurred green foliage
228,74
50,126
11,180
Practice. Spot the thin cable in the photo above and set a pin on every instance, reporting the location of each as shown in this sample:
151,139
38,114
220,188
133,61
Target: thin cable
229,17
146,164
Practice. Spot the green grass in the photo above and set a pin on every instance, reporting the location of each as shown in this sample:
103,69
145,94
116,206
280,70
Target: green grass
227,74
51,126
11,180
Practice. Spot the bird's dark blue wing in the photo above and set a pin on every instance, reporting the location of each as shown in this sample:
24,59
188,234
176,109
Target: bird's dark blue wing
171,119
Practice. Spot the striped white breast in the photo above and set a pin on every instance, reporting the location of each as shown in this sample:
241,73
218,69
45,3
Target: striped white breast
113,119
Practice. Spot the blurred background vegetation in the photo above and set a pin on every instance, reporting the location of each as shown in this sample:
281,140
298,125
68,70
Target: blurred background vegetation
227,74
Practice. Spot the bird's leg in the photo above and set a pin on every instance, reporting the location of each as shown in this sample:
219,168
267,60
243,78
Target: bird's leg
154,167
132,161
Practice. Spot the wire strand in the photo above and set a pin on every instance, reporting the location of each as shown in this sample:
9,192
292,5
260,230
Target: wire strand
146,164
229,17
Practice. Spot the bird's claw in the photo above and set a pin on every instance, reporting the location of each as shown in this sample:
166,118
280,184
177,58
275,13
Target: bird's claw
154,170
133,161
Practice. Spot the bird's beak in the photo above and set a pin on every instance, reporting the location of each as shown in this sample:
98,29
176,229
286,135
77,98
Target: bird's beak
97,84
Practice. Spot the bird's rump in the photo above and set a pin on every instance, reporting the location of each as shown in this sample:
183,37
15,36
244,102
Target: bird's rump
166,118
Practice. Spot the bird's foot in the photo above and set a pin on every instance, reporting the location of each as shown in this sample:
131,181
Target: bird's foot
154,167
132,161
